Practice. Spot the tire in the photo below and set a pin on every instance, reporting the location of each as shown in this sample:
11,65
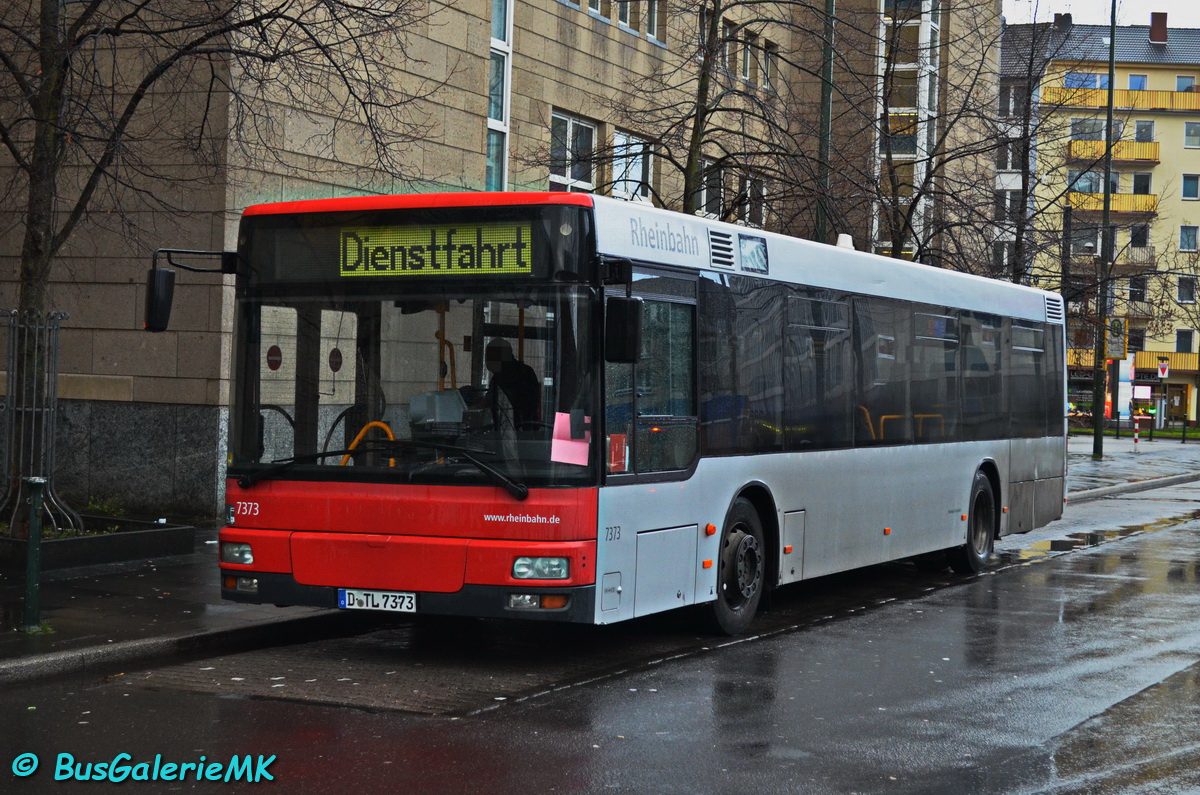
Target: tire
741,570
973,556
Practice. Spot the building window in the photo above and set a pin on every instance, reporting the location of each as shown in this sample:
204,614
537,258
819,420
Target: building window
1191,186
770,56
898,181
752,201
499,77
1085,241
1013,99
595,7
1085,80
1092,181
711,199
631,166
1143,131
1009,154
1139,236
901,138
651,26
572,146
1141,183
901,89
1183,340
903,43
1187,290
1187,238
496,93
495,160
1004,255
1137,82
1137,288
749,47
1191,133
1008,206
728,45
1135,339
500,20
625,12
1185,83
1087,130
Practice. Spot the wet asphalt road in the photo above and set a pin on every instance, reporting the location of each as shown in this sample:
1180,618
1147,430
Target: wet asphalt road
1073,666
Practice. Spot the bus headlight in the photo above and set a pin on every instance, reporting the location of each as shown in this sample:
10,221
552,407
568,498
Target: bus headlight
236,553
541,569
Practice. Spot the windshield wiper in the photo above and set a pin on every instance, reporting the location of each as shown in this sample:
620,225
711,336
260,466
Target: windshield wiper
518,490
246,481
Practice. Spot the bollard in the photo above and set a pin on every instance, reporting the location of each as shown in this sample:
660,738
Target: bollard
33,557
1183,436
1137,426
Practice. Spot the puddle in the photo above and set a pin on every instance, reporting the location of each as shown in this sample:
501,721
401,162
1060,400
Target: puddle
1040,550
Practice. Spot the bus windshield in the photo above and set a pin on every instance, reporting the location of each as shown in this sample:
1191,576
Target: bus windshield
455,386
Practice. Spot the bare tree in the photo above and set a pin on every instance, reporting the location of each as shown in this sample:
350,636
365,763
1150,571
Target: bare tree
112,108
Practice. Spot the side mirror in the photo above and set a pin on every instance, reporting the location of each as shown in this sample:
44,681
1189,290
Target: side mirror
160,290
623,330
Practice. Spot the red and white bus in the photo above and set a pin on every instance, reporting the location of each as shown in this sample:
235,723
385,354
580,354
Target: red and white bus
567,407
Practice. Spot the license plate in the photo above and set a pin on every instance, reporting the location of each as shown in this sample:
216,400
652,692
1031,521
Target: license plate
395,601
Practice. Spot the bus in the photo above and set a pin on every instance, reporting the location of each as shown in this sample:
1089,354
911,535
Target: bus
566,407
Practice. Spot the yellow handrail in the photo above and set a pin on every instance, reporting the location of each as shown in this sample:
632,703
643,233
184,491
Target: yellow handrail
372,424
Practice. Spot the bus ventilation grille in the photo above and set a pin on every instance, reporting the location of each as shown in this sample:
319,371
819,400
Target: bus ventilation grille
720,244
1054,310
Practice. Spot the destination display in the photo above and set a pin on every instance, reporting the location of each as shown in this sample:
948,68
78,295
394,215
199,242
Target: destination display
451,249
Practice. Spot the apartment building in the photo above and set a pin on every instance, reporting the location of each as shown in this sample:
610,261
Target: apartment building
587,95
1149,282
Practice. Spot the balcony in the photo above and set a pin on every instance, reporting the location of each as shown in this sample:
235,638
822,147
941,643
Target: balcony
1123,151
1122,98
1142,310
1178,362
1128,203
1138,256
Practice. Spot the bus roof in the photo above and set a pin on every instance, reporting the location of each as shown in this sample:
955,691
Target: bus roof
413,201
646,233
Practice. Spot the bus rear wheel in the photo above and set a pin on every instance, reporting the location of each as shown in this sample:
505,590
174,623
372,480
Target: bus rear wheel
973,556
741,569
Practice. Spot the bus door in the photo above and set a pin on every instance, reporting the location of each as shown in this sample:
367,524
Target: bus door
648,537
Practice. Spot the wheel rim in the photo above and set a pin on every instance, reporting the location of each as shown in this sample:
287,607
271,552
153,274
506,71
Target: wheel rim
742,567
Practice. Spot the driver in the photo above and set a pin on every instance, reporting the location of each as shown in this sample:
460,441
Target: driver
513,391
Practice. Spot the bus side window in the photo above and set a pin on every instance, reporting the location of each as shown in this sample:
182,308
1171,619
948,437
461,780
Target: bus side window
666,388
881,354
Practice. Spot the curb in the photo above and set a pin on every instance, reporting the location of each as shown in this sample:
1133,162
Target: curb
144,651
1138,485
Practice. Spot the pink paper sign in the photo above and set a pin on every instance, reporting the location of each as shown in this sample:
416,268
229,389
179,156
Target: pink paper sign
564,449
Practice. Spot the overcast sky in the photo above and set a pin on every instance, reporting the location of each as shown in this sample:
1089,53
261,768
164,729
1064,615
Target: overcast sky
1180,13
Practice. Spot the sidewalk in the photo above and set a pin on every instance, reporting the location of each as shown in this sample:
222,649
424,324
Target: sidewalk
107,617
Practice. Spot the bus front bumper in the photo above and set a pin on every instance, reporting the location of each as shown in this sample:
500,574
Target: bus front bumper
483,601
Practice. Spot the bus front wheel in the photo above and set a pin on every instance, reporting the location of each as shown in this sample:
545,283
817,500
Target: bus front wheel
973,556
741,569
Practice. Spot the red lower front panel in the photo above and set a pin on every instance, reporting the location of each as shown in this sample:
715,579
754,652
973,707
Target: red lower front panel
405,539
